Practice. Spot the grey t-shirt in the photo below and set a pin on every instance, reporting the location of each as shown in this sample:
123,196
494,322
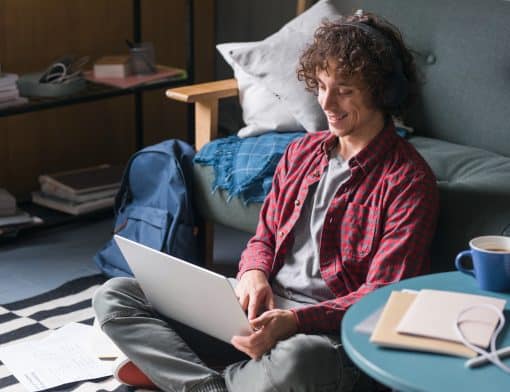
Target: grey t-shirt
300,279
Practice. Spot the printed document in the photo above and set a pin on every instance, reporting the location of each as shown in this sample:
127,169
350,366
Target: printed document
63,357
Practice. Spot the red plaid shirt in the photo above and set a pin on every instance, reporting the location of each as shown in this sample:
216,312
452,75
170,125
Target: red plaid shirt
377,229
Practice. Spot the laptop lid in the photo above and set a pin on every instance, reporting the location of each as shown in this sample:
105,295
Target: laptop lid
187,293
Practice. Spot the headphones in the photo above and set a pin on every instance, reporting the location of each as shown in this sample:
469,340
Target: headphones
398,85
65,70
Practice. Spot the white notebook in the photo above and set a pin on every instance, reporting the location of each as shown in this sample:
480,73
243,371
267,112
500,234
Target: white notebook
385,333
434,313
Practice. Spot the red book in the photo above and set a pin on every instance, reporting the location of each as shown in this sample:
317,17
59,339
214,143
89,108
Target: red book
136,80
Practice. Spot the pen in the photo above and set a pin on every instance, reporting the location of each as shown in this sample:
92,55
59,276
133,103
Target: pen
475,362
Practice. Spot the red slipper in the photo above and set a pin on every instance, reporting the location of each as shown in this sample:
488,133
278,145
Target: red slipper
126,372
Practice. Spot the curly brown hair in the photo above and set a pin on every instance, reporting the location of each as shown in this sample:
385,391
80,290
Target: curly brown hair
360,55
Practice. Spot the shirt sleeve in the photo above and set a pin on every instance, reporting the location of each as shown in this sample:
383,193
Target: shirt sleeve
260,250
403,252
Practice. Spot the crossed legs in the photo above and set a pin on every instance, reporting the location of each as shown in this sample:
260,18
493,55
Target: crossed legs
170,353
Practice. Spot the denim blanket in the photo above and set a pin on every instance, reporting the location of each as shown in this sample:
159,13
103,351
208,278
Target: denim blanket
244,167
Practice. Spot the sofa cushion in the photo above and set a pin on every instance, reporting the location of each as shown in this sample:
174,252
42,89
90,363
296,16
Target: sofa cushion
474,185
456,165
214,206
274,61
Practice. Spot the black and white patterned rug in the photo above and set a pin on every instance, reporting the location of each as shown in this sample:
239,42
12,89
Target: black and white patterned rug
36,317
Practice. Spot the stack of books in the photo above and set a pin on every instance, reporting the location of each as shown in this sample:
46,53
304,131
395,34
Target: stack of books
12,219
9,93
79,191
426,320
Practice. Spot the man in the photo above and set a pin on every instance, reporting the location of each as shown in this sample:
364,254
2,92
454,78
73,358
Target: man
351,209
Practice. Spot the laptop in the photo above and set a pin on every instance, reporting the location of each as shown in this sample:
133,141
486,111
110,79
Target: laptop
187,293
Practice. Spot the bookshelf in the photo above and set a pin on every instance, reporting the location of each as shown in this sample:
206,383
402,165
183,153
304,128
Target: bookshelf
97,92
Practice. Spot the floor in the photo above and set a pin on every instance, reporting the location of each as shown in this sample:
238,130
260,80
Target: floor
43,261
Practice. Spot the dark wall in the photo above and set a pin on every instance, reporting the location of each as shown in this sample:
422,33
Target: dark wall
240,21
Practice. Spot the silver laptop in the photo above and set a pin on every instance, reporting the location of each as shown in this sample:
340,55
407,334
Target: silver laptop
182,291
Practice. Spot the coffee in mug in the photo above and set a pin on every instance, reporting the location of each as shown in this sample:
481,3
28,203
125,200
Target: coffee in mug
491,262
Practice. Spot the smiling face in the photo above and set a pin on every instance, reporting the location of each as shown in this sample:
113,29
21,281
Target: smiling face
347,105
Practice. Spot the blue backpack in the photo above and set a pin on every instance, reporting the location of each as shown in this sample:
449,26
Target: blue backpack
154,206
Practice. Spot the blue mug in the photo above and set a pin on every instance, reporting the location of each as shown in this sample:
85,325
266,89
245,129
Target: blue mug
491,262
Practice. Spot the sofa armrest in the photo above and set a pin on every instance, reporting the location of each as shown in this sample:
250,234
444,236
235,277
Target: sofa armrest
205,96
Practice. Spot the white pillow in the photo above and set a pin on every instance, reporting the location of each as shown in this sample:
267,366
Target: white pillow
273,63
262,111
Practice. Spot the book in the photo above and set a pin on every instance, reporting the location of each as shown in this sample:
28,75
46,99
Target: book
7,203
86,180
7,95
12,230
14,102
70,207
163,72
385,332
112,67
52,189
8,79
8,89
434,313
17,218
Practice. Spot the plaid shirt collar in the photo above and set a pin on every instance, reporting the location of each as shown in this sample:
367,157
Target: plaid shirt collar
372,153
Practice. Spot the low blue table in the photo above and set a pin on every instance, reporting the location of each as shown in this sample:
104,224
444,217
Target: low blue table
418,371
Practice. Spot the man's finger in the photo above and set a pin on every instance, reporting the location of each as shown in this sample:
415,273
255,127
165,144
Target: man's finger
243,300
253,307
240,342
250,345
245,345
261,321
235,342
270,302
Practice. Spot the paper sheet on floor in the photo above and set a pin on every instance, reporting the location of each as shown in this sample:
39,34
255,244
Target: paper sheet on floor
63,357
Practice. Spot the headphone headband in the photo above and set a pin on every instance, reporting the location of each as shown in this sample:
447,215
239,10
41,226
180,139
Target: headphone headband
371,31
398,89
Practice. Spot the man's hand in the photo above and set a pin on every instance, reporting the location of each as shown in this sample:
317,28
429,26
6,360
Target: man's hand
270,327
254,293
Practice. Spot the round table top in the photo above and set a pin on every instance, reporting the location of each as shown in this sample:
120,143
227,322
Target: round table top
419,371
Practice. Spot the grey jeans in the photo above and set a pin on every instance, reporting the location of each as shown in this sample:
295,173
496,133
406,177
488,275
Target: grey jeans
170,353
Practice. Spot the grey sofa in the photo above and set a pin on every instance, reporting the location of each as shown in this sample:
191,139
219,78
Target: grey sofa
460,120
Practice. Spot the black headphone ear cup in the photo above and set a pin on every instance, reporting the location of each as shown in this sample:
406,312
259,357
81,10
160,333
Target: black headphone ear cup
396,90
